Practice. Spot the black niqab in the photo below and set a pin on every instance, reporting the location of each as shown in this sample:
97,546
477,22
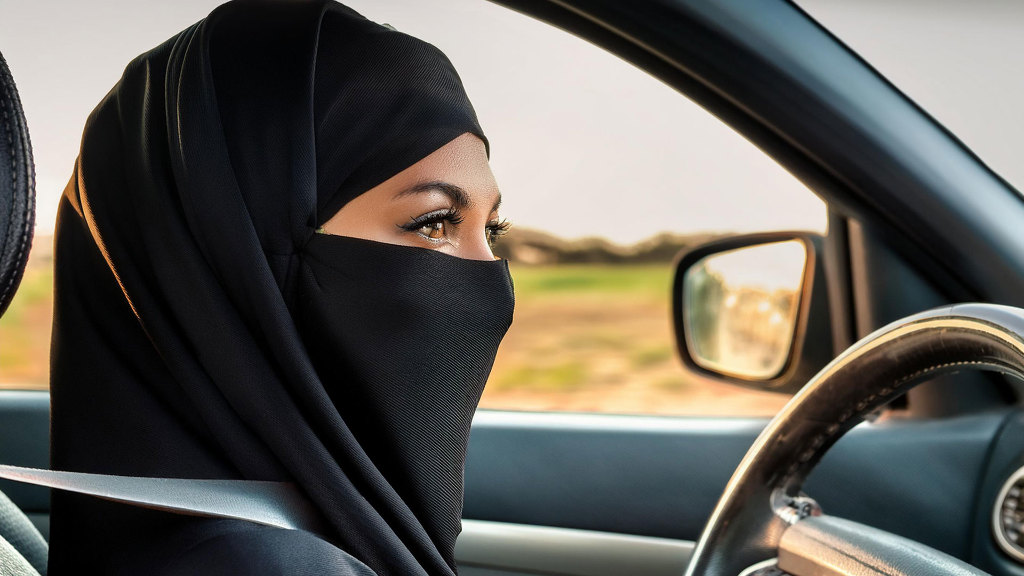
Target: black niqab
204,330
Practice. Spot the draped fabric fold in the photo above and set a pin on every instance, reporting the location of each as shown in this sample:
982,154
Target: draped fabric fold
184,240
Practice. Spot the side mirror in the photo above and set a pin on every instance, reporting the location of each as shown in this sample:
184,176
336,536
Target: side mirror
752,310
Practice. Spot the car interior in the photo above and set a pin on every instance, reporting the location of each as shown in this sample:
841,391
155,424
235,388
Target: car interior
905,342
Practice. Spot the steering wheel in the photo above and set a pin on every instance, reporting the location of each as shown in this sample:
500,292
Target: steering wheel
763,525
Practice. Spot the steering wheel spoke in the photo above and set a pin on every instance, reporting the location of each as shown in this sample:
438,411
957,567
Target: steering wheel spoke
830,546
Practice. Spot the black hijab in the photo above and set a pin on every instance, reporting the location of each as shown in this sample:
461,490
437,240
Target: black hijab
203,329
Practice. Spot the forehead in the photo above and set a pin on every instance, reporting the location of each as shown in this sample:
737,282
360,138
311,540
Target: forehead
462,163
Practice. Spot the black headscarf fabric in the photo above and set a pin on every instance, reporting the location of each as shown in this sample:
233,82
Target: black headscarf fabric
203,329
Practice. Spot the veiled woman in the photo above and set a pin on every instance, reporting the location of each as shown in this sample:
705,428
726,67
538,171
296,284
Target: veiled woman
273,263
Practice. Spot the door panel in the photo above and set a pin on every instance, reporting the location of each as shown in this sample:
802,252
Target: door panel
608,476
661,477
634,475
25,441
490,548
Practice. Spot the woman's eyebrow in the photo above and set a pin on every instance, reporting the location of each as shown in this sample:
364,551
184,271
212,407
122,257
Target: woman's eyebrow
458,196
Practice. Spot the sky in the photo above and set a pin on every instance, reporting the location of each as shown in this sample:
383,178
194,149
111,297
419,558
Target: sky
768,267
583,144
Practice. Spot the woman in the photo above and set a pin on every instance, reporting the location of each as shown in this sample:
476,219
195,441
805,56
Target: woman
273,263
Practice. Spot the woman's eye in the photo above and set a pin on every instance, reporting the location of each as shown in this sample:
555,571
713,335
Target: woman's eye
434,226
439,226
496,230
433,230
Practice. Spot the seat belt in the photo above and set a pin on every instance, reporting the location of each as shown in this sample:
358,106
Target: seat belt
277,504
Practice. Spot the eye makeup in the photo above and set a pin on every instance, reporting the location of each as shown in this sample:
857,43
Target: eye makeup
436,226
496,229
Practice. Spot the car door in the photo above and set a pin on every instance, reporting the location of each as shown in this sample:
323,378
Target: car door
594,452
577,493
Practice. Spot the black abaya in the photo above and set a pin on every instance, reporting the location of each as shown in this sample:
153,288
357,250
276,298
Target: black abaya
204,330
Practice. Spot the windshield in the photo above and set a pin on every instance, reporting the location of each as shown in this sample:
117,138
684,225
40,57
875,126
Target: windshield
960,61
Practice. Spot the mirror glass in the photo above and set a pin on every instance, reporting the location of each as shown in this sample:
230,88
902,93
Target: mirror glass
740,308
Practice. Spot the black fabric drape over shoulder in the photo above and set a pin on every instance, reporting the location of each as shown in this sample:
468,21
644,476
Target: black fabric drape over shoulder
184,240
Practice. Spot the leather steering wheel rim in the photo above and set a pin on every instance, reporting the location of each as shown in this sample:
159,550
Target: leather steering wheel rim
762,501
17,188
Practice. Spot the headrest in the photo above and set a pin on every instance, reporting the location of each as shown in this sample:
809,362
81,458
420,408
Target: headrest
17,188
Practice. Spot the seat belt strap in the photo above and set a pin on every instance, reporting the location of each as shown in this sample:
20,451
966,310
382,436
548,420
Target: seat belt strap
278,504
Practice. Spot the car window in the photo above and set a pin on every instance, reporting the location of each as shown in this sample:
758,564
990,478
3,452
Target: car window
959,60
605,173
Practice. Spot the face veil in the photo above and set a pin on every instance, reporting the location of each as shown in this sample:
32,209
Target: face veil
204,330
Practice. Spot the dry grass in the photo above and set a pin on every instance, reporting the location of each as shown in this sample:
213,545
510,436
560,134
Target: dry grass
25,332
590,338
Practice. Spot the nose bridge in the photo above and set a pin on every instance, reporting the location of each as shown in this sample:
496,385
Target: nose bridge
477,248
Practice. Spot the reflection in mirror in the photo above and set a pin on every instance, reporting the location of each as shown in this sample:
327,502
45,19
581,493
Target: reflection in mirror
740,308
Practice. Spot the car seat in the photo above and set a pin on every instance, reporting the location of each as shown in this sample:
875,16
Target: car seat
23,550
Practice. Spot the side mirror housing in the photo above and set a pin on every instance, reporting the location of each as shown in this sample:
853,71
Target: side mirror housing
752,310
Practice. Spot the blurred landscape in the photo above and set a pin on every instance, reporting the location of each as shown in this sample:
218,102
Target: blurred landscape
25,326
592,331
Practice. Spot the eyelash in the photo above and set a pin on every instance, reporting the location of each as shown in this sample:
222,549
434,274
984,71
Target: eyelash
497,230
453,217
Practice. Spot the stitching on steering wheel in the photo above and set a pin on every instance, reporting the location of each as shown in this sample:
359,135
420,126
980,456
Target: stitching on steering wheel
5,100
924,371
884,393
